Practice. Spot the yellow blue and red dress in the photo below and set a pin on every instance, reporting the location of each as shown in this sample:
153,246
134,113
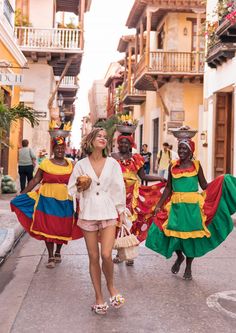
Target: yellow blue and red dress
47,213
140,200
193,222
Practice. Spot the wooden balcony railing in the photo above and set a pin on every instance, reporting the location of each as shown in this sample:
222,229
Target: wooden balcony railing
172,63
59,39
129,89
68,82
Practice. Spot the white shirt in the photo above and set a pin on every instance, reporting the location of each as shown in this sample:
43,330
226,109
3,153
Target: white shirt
106,197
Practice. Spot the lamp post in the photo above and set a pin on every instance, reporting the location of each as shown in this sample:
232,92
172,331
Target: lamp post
60,101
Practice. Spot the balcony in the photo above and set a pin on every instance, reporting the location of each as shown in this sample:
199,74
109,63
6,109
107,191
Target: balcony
165,66
57,45
48,40
132,96
68,88
71,6
220,53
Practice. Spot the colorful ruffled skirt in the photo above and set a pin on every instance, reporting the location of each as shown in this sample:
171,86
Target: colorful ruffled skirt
218,206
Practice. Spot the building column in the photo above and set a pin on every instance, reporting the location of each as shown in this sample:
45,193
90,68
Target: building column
129,68
147,56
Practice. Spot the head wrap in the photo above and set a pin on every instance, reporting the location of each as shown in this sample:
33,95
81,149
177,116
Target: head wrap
59,140
127,137
189,143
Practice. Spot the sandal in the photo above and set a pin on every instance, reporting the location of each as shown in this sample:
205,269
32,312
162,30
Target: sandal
129,263
117,260
187,276
57,258
176,267
117,301
100,309
51,263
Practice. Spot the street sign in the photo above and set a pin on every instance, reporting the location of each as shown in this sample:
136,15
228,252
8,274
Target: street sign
41,114
9,79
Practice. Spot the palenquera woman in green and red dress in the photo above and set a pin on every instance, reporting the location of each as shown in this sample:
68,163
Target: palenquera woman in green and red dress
188,222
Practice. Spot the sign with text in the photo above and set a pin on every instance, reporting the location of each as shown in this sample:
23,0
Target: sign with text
9,79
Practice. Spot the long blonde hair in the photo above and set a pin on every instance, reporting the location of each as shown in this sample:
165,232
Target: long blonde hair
87,142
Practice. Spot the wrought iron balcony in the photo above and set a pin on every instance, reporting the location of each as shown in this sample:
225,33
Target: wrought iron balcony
162,66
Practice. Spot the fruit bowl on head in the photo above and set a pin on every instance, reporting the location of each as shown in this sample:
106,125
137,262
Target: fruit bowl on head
184,132
58,132
129,129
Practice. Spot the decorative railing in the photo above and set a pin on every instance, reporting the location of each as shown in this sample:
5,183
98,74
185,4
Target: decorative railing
129,89
36,38
172,62
68,81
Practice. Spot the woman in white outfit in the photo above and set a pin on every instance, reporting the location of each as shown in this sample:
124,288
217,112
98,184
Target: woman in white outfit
99,207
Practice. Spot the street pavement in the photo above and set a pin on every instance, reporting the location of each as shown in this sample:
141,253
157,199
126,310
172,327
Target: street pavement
35,299
10,228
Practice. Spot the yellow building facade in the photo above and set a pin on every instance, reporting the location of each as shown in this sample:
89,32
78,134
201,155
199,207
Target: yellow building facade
11,62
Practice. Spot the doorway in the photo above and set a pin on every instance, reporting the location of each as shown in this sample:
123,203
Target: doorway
223,158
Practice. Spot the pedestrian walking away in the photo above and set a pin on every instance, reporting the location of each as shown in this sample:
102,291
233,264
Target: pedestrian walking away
188,222
140,200
101,201
26,164
147,160
47,213
163,160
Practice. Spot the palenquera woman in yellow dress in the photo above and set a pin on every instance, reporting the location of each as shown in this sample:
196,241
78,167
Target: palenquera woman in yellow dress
188,222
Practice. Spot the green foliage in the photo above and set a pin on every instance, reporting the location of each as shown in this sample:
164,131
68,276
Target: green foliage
21,20
10,115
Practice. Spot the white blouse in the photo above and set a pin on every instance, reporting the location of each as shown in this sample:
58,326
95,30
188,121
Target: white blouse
106,197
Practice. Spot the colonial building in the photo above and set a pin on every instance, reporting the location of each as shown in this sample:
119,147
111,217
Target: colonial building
98,101
12,62
219,122
53,47
164,67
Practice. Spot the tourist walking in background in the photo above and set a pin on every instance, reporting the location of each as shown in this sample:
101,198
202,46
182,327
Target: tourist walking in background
47,214
26,164
163,160
191,223
174,155
147,160
101,202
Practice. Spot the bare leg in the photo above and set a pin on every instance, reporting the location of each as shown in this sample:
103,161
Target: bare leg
188,269
180,258
51,261
107,242
50,247
91,239
57,254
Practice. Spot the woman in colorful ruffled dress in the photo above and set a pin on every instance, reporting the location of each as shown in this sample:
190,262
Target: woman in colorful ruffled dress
47,213
188,222
140,200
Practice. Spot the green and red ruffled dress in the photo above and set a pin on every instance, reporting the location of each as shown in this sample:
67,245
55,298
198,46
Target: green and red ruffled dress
193,222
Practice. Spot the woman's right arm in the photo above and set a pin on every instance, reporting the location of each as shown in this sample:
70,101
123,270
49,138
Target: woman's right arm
167,192
35,181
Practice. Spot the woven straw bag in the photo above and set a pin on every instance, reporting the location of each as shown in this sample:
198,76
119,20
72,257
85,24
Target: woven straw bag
125,239
128,253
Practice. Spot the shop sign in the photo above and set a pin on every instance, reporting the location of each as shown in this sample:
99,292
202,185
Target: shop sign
11,79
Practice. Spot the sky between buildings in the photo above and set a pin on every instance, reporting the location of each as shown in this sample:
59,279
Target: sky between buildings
104,25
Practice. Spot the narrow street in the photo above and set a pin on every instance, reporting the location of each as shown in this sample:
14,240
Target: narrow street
36,300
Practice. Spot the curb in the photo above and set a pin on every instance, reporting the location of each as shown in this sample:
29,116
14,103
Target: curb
11,238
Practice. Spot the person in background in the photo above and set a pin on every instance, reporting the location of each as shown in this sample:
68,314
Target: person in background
100,205
42,155
163,160
47,213
140,200
174,155
26,163
147,159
